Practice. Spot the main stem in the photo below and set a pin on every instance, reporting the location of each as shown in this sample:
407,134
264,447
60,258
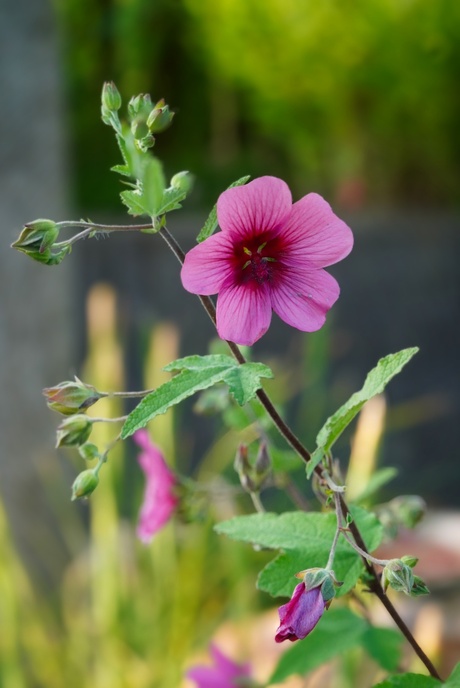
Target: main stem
303,452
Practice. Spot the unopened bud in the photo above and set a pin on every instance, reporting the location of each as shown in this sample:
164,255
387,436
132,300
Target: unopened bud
263,462
88,451
74,431
159,118
111,98
85,483
140,107
37,237
70,397
182,181
398,576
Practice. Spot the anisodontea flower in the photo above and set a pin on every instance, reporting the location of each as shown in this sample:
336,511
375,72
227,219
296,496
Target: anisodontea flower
224,674
269,256
301,614
160,499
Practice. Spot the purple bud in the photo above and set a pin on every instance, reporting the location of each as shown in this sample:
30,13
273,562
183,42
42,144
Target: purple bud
301,614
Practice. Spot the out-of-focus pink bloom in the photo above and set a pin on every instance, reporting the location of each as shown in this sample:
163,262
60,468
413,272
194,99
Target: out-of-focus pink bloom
301,614
160,499
268,256
224,674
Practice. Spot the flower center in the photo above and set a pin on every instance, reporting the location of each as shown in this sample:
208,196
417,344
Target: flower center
255,260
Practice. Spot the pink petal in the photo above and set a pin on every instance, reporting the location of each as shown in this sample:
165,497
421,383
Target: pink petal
225,674
208,265
301,614
263,204
160,499
243,312
317,236
302,300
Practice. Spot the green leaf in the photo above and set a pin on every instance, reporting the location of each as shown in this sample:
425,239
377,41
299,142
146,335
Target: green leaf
384,645
338,631
201,362
134,202
375,383
153,186
454,679
171,200
409,681
210,225
305,539
197,373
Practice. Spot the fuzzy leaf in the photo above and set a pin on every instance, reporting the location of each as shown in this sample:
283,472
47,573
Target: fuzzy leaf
375,383
197,373
338,631
134,202
409,681
454,679
384,645
305,540
210,225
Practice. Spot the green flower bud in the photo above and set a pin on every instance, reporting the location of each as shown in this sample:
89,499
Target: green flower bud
159,118
140,107
244,469
84,484
88,451
182,181
398,576
71,397
37,236
74,431
111,98
419,587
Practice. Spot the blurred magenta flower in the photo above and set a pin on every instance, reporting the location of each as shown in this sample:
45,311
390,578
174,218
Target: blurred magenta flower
301,614
160,499
268,256
224,674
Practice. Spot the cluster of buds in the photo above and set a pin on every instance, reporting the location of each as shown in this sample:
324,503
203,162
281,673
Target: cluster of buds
37,240
148,119
398,575
253,477
71,398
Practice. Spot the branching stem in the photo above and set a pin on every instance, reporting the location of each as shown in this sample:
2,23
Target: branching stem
304,454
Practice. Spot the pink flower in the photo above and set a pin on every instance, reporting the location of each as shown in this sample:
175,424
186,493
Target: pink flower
301,614
224,674
268,256
159,497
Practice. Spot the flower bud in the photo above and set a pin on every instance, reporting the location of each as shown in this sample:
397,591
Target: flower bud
140,106
111,98
182,181
159,118
37,236
84,484
88,451
419,587
70,397
398,576
74,431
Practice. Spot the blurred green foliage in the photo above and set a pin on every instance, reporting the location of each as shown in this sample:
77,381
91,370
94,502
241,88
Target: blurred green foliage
358,100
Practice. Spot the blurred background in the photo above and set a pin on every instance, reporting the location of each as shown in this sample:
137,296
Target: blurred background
358,101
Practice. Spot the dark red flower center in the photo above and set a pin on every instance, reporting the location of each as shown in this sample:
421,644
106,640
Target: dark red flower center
256,258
